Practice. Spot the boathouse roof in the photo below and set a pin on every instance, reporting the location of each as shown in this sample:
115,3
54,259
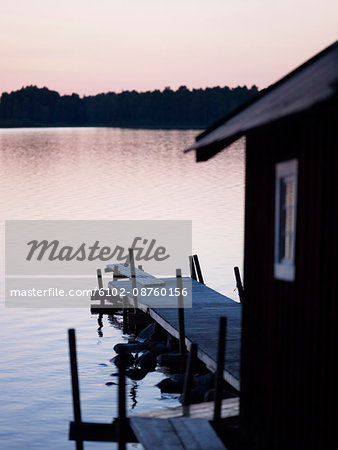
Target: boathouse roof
313,82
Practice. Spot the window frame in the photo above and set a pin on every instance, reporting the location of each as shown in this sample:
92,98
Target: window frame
285,269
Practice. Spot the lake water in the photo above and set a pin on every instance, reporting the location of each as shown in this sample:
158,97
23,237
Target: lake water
102,173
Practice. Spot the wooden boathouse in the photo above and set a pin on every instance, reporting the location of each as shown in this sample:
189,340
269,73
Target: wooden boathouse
288,395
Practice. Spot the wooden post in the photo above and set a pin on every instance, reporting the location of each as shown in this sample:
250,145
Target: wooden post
133,275
125,315
115,273
180,305
75,382
219,370
99,278
122,401
100,285
198,268
188,379
239,284
192,268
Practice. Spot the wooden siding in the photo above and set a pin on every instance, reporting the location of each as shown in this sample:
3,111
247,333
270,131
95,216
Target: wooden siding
288,375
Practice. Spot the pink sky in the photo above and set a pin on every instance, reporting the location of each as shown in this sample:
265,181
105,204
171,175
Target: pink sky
88,46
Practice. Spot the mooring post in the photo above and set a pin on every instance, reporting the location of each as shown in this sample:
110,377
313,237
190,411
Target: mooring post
100,285
192,268
180,305
125,315
122,401
188,379
75,382
99,278
115,273
219,370
198,268
239,284
133,275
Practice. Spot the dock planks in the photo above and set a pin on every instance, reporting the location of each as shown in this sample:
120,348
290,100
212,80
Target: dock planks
201,324
142,277
205,410
175,434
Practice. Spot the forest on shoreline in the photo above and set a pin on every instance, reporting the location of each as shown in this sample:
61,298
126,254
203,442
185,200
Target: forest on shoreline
197,108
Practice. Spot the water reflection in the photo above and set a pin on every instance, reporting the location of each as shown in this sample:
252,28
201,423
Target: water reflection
133,394
100,324
102,173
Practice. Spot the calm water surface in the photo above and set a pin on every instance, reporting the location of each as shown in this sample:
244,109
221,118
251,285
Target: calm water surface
101,173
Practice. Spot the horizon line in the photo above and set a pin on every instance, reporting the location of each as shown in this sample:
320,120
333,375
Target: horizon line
133,90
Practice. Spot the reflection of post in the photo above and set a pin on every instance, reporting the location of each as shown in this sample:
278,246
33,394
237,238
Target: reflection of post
133,275
75,382
100,324
180,311
133,395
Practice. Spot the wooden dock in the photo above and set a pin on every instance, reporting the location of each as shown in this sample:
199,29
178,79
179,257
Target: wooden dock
201,322
206,323
205,410
179,434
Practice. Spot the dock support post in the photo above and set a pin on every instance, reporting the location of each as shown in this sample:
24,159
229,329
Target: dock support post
198,268
125,316
182,346
99,278
188,379
133,275
122,401
115,274
219,370
100,286
75,382
192,268
239,284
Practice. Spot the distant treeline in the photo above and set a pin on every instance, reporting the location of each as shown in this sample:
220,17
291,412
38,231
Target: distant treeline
183,108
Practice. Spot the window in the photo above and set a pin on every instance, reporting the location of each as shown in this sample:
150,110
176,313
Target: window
285,219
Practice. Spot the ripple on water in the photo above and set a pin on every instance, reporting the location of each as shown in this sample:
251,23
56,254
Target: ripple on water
102,173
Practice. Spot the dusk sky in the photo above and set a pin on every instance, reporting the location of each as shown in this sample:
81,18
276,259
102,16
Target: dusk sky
88,46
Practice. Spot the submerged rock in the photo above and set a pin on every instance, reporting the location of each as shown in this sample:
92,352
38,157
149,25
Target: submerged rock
173,360
210,395
197,394
158,348
152,333
172,385
130,348
128,358
135,373
146,362
207,379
